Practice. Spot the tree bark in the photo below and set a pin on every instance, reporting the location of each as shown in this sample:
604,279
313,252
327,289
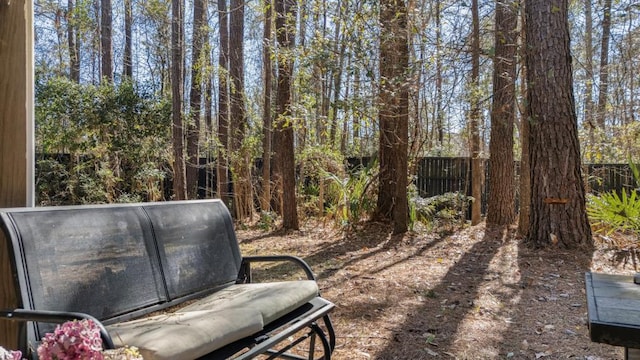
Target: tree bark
525,173
195,98
477,168
74,44
266,115
558,215
588,93
179,183
393,115
106,39
588,54
439,116
222,163
339,49
285,34
208,111
128,22
604,65
208,86
241,157
501,202
58,26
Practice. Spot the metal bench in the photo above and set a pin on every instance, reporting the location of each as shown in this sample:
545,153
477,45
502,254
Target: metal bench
167,278
613,303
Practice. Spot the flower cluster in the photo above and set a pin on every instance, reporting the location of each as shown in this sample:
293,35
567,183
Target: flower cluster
9,355
72,340
75,340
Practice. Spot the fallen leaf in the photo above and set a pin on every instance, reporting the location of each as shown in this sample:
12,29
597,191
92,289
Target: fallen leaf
431,352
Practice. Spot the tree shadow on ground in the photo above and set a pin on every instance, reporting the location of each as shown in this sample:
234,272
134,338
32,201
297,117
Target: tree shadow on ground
471,293
364,243
435,324
550,317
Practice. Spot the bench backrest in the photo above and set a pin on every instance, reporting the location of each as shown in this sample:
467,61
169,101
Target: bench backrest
119,261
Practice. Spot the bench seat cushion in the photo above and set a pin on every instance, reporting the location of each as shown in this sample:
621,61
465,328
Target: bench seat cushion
208,324
272,300
185,335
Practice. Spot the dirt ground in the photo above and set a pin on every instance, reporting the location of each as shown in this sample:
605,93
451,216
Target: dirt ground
464,293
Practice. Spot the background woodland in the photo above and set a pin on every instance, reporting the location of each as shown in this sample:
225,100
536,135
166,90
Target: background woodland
133,98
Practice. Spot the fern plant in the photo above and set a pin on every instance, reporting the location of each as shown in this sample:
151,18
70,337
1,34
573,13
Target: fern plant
611,212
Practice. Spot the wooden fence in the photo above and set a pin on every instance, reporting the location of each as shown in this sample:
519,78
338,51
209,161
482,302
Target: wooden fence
439,175
436,176
433,176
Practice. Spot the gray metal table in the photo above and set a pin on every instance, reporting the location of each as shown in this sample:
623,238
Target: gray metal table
613,302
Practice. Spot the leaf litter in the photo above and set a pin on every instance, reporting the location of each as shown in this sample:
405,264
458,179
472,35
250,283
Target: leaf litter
459,293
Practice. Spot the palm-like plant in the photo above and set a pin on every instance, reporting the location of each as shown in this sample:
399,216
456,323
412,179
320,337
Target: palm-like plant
612,211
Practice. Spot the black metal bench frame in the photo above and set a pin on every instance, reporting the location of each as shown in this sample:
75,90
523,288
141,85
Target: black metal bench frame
310,322
613,304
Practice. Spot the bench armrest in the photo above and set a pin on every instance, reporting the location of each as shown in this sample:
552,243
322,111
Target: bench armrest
244,276
56,317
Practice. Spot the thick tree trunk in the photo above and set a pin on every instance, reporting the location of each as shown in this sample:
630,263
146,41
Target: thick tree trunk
106,39
266,115
195,98
477,168
179,184
558,215
394,114
222,163
501,202
286,14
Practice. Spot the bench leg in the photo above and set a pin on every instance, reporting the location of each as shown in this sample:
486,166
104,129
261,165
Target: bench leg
314,332
330,331
631,354
325,343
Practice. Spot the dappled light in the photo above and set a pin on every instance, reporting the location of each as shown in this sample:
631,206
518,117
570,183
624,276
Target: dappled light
464,292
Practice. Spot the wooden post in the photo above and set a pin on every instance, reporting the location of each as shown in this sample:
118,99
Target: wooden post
631,354
16,134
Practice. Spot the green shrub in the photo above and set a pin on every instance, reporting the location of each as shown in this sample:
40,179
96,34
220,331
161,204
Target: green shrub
616,212
612,212
353,196
267,220
106,143
448,207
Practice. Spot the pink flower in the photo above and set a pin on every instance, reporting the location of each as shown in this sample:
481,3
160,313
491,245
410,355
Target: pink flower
9,355
73,340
